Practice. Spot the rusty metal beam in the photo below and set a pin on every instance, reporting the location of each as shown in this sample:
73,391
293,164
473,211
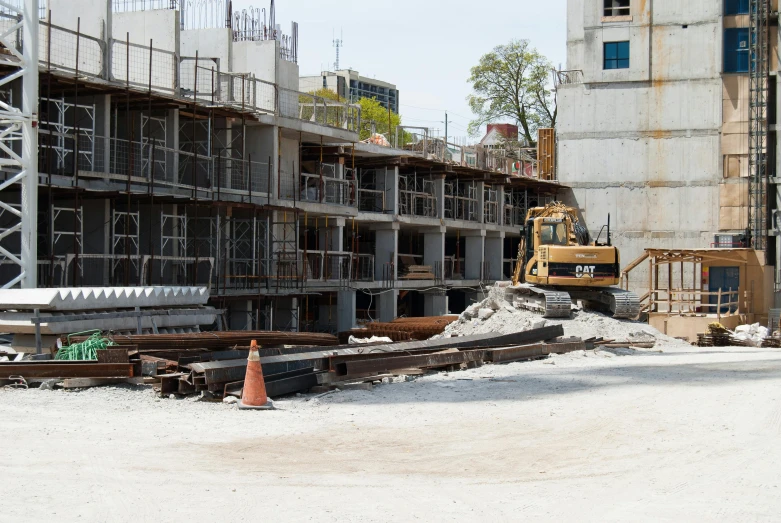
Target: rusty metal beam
423,361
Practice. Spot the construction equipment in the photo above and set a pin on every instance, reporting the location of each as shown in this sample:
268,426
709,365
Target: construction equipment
557,262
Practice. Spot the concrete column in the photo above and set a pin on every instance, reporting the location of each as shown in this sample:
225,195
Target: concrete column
494,255
385,250
474,254
345,310
435,304
439,192
480,202
386,305
434,249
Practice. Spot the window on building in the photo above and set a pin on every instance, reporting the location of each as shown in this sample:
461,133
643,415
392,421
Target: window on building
735,7
736,53
616,7
616,55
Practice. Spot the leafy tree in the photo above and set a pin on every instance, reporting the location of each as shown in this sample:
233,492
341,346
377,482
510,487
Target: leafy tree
513,82
373,112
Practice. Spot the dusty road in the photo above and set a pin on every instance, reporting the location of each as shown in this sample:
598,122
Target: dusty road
686,435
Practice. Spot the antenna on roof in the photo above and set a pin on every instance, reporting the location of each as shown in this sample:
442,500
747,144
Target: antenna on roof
338,44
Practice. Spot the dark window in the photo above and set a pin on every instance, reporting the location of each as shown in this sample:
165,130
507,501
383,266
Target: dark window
616,55
735,7
553,234
616,7
736,52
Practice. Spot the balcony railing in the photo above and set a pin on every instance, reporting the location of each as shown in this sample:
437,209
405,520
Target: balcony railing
149,161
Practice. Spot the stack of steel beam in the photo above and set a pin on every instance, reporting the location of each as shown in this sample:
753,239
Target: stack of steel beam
219,340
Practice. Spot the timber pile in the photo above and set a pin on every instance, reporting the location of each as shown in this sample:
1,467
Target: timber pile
418,272
772,343
402,329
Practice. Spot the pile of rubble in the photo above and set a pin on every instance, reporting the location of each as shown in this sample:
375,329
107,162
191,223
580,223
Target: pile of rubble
496,313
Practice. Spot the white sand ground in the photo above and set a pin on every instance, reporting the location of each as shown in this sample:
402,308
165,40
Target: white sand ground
685,434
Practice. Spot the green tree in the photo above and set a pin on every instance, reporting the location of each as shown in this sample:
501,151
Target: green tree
385,122
513,82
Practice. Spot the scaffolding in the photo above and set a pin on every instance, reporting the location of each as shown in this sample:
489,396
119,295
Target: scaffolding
759,13
19,143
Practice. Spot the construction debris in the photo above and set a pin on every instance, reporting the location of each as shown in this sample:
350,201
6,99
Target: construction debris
743,336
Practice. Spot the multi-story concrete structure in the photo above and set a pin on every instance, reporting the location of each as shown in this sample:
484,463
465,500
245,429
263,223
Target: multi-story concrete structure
352,86
654,122
179,154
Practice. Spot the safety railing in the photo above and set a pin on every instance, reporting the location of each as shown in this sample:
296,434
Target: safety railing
572,77
144,66
315,109
720,303
371,200
362,267
68,50
417,197
147,67
491,205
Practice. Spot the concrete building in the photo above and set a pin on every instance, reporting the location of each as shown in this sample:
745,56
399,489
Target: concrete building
171,154
653,123
352,86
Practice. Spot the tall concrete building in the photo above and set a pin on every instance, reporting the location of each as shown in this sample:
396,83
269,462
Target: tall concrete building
352,86
654,121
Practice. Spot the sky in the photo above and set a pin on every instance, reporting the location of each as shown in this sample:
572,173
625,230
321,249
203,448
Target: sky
425,47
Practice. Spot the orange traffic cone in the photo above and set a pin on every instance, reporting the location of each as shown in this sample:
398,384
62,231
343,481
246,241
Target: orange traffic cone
253,395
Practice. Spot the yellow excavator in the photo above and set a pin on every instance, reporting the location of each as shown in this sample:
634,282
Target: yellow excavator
557,262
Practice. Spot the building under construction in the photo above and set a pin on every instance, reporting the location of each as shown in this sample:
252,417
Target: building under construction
152,142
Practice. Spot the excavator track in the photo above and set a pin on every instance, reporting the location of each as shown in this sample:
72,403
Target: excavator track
550,303
623,304
610,300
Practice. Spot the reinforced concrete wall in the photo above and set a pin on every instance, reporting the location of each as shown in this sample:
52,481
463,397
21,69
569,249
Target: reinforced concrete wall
643,143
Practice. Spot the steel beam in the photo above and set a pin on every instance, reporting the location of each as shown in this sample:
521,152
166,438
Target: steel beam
65,369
